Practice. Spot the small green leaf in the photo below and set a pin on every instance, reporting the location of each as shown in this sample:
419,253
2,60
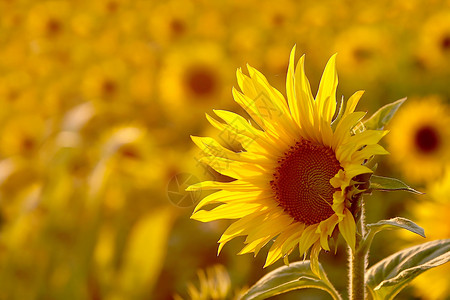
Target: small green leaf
386,184
389,276
396,223
382,116
296,276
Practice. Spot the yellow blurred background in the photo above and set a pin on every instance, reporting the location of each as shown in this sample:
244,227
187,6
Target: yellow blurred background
98,100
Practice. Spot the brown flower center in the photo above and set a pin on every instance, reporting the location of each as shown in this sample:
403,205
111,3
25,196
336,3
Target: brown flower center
201,81
427,139
362,54
302,182
178,27
53,27
108,87
445,43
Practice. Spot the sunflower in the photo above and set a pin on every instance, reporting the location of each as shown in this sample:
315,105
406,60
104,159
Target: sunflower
104,82
191,79
295,175
363,49
433,45
420,139
171,21
432,214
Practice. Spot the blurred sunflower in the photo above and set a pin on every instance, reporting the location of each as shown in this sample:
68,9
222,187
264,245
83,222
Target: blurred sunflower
420,139
16,93
277,17
129,153
48,25
295,178
104,82
171,21
23,135
432,214
434,42
192,79
362,51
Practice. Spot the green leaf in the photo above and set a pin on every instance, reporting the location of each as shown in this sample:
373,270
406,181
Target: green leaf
382,116
396,223
389,276
386,184
296,276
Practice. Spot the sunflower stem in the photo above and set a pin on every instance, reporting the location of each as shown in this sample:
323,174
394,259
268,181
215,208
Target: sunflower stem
358,258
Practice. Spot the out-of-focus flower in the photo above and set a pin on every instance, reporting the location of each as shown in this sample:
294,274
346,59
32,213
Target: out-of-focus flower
22,135
128,163
105,82
277,18
78,77
192,78
363,51
171,21
294,178
420,139
48,26
433,47
17,93
431,212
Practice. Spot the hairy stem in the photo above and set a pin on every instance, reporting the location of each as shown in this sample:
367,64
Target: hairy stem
358,259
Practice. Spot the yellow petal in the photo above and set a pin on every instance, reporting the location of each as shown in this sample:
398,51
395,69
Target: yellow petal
305,99
367,152
368,137
277,223
237,185
326,95
290,89
325,229
262,107
354,170
274,102
277,251
314,258
242,125
226,211
245,84
239,227
308,238
347,228
292,241
251,106
352,102
255,245
233,169
231,134
229,197
343,129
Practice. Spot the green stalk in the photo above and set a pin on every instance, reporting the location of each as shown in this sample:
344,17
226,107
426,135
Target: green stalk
358,259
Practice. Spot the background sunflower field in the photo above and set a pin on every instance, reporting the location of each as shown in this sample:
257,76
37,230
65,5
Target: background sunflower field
98,100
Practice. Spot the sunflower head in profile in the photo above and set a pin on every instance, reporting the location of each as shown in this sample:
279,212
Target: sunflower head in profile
295,177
